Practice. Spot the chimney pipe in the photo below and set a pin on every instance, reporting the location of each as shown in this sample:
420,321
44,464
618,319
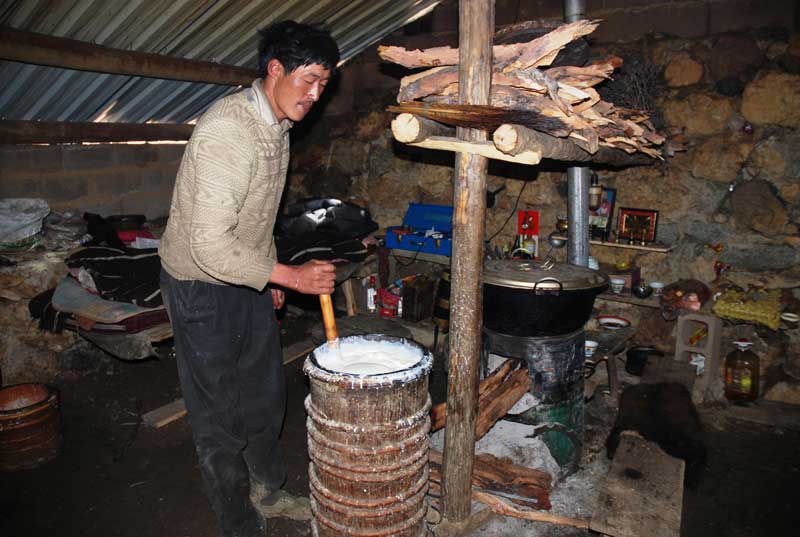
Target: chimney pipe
577,179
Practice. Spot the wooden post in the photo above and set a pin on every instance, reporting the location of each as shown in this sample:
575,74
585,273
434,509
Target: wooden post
476,28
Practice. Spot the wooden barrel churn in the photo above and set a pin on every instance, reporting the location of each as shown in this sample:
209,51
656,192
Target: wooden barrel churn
30,426
368,444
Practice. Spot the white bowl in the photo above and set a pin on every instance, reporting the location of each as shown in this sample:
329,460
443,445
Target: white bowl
617,285
657,287
590,347
613,322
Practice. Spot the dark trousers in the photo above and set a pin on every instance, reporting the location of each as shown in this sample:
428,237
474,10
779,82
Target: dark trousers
227,345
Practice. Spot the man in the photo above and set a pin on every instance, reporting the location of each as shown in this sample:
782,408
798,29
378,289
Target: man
218,257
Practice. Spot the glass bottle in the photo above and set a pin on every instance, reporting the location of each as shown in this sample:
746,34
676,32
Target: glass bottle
741,373
371,292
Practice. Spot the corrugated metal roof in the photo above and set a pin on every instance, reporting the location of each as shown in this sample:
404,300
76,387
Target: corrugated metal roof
212,30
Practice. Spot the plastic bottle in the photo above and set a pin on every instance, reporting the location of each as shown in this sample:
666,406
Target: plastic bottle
371,292
741,373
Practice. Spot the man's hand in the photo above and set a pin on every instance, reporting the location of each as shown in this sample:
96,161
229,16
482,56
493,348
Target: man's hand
277,297
314,278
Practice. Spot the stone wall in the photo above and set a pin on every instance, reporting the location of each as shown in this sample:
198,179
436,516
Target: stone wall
101,178
732,198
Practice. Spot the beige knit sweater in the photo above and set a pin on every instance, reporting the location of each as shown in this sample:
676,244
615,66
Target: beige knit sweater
226,197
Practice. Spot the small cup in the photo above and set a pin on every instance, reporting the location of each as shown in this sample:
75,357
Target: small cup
790,320
617,285
657,288
593,264
589,347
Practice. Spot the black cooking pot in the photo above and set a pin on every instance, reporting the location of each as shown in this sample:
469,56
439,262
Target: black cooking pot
636,358
533,299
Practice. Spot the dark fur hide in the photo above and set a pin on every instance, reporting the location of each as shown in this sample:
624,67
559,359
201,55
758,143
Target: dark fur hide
663,413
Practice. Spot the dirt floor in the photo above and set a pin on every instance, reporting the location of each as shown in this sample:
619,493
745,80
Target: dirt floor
118,478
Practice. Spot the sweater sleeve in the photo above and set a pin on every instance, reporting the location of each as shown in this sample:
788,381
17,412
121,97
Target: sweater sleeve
225,159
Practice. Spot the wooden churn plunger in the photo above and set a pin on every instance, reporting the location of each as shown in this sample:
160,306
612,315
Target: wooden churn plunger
329,321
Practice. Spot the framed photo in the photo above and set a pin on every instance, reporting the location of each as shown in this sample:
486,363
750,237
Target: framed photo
600,218
637,224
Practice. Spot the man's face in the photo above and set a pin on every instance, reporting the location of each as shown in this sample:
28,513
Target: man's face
292,95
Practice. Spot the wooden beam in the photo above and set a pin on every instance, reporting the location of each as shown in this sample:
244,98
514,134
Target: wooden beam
53,132
476,28
484,149
516,139
39,49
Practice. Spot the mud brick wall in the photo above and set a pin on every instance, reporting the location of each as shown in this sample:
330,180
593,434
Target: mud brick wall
102,178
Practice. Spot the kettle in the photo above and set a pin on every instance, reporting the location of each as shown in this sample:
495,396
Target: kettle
636,358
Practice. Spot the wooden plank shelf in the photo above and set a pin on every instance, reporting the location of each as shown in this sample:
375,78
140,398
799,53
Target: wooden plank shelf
627,298
660,248
421,256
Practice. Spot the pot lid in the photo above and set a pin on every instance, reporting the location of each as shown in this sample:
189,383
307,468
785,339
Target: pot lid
549,276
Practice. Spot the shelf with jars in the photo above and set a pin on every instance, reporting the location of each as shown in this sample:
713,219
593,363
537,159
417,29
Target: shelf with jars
648,247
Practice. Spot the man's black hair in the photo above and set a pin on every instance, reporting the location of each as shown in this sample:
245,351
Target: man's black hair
295,45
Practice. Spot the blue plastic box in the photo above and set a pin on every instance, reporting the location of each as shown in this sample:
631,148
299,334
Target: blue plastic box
419,219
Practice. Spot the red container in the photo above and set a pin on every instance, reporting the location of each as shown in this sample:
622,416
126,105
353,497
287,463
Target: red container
30,426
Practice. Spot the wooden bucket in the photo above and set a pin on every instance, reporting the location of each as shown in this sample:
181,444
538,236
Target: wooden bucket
30,426
368,444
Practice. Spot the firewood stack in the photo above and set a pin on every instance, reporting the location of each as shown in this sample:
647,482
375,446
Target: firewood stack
508,489
529,105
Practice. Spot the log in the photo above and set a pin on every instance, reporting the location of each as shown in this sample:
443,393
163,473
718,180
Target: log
500,507
511,139
408,128
537,52
504,477
501,400
543,50
486,117
486,387
54,132
164,415
476,27
496,377
482,149
444,81
28,47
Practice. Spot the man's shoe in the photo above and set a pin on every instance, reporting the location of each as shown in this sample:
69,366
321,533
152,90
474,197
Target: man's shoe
283,504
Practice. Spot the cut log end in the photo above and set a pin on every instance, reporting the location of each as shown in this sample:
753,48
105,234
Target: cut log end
505,139
405,128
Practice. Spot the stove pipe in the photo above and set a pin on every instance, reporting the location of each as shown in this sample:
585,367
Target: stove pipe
577,178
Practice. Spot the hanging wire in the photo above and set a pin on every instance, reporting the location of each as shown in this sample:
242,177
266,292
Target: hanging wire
514,210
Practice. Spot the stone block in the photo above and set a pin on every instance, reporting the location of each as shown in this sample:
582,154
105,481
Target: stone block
65,188
755,205
756,257
773,99
700,113
23,161
720,158
350,156
21,187
158,178
151,203
682,70
88,157
115,182
733,56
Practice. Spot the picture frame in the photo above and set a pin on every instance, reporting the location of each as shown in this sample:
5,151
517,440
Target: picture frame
638,225
601,219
